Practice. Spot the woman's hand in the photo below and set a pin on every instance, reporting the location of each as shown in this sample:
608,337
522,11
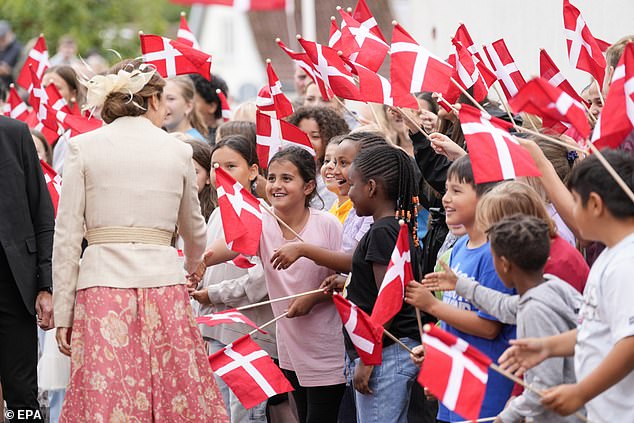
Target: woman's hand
361,378
201,296
441,281
429,120
333,283
287,255
419,355
419,296
443,145
63,340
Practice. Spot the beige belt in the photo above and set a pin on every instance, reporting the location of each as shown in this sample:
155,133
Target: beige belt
123,234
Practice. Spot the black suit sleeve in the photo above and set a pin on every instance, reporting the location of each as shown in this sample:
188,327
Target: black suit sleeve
433,166
40,208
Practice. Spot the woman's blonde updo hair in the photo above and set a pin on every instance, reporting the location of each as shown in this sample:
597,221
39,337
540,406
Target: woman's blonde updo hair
118,104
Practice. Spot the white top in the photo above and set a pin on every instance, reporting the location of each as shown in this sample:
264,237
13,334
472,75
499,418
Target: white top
606,317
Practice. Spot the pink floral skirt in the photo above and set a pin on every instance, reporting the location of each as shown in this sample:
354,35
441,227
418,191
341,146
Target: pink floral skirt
138,356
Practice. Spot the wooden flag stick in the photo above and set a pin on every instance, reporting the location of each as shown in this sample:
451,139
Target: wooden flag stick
269,211
412,121
551,139
270,322
486,419
440,98
469,96
376,117
599,91
275,300
612,172
504,102
398,341
526,386
342,104
420,323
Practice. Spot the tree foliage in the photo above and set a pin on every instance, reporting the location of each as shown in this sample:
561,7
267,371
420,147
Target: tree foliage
95,24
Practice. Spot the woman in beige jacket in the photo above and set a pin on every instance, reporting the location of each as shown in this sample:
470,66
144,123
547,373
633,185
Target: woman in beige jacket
123,313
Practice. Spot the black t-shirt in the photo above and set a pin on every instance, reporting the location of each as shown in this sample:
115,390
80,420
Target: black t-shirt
376,246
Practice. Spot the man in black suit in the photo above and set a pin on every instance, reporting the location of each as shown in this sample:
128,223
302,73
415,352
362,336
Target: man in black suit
26,243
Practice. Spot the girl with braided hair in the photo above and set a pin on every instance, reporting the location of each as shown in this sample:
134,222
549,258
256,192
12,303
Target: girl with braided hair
382,185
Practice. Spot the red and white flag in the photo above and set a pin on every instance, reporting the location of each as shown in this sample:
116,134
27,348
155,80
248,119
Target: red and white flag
224,105
273,134
399,273
226,317
550,103
241,5
173,58
264,100
366,335
360,44
472,72
495,154
504,67
185,35
375,88
363,15
462,36
40,119
302,61
38,59
77,124
334,38
281,104
583,50
616,121
240,213
413,68
249,372
454,372
14,107
53,183
330,71
551,73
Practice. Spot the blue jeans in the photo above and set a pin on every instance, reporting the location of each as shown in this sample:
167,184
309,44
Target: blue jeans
391,384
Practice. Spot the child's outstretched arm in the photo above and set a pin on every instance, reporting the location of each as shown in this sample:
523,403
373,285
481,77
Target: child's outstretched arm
290,253
218,253
463,320
566,399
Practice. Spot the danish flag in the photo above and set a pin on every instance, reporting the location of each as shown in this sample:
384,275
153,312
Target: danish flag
14,107
53,183
77,124
504,67
224,106
334,38
226,317
360,44
249,371
185,35
301,60
273,134
552,104
616,121
462,36
550,72
240,213
472,73
281,104
363,15
173,58
330,71
399,273
38,59
366,335
454,372
413,68
240,5
495,155
375,88
39,98
583,50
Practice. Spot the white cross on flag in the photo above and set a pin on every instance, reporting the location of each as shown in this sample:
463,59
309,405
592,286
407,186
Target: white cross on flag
616,121
226,317
550,72
224,106
77,124
302,61
413,68
363,15
375,88
360,44
365,334
185,35
240,5
273,134
583,50
550,103
462,36
330,71
398,275
39,98
495,154
14,107
281,104
472,72
240,213
173,58
504,67
454,372
334,38
249,372
38,58
53,183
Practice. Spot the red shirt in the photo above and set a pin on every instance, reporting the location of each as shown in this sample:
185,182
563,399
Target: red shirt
567,263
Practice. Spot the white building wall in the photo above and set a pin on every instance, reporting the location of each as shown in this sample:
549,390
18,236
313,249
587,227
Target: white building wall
526,26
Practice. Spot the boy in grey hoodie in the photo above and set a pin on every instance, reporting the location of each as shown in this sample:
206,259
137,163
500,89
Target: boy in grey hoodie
545,306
